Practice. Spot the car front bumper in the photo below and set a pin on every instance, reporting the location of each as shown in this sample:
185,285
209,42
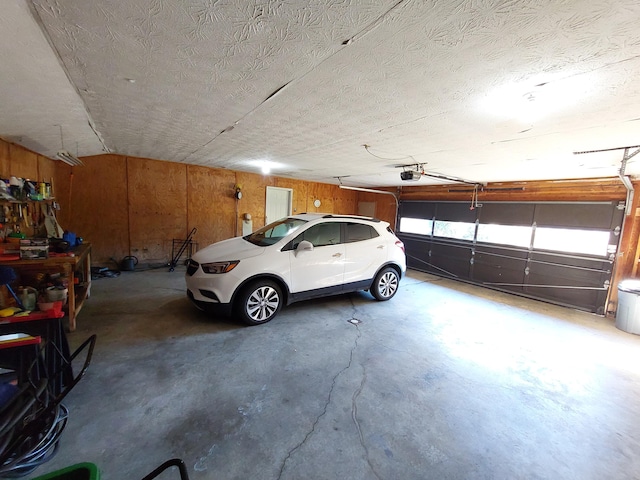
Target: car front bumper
210,306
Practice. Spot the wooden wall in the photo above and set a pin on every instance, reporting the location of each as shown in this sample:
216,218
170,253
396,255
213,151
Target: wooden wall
20,162
593,190
136,206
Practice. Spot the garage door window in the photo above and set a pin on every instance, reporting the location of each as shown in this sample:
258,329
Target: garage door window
456,230
420,226
588,242
557,251
514,235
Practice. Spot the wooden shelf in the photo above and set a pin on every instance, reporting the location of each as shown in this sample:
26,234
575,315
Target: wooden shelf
68,265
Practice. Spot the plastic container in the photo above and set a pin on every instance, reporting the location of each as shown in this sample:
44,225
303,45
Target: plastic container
55,294
628,311
79,471
28,297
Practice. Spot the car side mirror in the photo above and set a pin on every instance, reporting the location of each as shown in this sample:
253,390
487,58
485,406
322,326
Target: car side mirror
304,246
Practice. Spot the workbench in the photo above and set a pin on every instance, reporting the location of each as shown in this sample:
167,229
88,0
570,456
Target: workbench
74,265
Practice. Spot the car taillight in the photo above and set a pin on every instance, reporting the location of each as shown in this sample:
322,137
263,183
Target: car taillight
400,245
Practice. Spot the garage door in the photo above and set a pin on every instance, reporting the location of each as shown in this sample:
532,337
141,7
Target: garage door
557,252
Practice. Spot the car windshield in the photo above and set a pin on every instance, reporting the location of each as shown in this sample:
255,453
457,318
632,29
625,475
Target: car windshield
272,233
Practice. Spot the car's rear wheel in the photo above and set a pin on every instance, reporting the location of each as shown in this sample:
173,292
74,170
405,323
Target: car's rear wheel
259,302
386,283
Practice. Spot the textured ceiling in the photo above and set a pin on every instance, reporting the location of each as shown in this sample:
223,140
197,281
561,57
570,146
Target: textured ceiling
482,90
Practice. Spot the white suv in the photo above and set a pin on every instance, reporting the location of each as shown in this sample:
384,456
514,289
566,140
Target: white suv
296,258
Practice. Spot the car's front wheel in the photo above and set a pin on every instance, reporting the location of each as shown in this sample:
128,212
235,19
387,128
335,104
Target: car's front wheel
386,283
259,302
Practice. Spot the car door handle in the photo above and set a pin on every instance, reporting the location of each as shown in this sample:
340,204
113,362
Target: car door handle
337,254
380,247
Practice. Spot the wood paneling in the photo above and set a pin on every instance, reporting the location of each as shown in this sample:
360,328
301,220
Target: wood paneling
346,201
46,169
134,206
21,162
386,206
211,204
254,194
24,163
95,206
5,162
593,190
157,193
327,196
628,254
61,189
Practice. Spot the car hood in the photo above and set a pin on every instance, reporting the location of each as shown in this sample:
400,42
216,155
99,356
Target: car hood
231,249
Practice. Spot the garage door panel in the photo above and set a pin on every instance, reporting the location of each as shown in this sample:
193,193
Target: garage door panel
589,300
455,212
417,209
510,214
576,215
580,286
566,276
497,266
417,253
572,269
451,259
575,274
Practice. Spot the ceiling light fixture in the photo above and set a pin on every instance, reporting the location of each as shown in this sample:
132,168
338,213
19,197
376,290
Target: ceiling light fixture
64,156
69,159
265,166
532,101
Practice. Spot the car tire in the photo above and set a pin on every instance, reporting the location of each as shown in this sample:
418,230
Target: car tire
385,285
259,302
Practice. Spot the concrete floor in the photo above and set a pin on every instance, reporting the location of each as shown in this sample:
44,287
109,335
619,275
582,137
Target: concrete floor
445,381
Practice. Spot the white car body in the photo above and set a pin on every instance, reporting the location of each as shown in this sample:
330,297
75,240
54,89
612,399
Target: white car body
336,257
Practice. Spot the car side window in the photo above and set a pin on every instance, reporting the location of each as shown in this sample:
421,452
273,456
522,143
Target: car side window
320,235
357,232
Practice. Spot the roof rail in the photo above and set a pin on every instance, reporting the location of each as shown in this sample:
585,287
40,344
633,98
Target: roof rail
354,217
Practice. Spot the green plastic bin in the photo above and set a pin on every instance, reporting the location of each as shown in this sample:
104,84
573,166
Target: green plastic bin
79,471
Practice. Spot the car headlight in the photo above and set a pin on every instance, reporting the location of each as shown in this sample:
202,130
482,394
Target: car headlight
219,267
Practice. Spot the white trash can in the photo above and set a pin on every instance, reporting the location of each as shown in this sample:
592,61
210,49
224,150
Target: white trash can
628,312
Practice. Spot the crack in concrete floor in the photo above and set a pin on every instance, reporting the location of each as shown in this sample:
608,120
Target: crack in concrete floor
354,406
